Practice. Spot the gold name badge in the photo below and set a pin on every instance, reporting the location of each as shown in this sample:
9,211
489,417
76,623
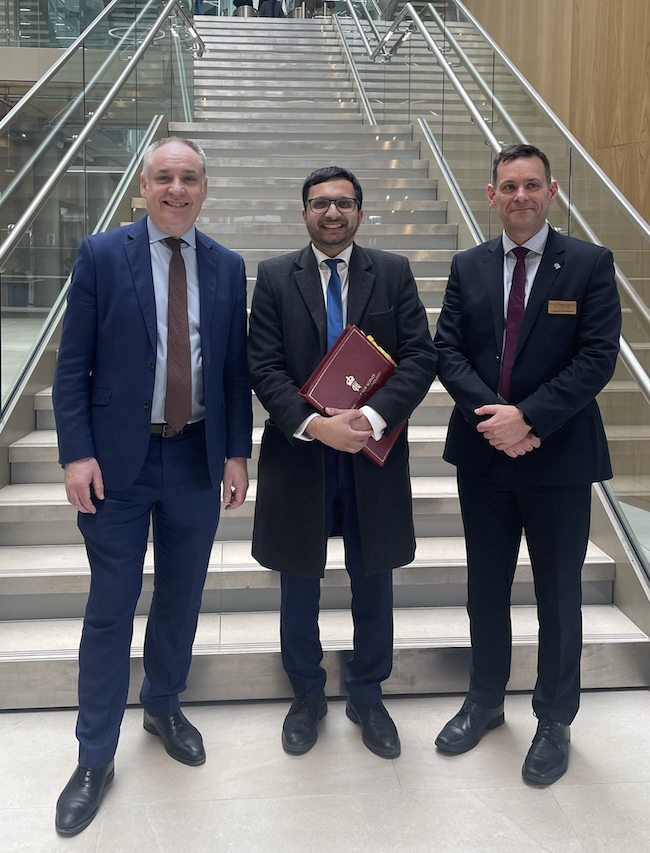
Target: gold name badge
556,306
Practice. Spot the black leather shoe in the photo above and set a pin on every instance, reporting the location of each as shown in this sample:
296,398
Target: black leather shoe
80,799
300,728
377,729
548,757
182,740
465,730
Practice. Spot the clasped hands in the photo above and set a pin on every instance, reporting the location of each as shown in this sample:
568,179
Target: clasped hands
342,429
506,430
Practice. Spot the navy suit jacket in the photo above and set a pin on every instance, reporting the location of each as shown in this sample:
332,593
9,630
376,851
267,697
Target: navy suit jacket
104,379
562,362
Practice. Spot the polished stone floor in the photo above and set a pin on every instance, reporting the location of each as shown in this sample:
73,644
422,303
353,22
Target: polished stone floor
251,797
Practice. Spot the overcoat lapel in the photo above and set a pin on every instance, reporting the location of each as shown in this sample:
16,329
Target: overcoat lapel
139,259
208,265
549,267
360,284
308,282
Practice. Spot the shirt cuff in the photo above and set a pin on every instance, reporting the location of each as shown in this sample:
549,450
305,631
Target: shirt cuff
300,432
377,423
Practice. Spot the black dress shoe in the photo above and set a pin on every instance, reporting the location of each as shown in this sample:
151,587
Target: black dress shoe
465,730
80,799
300,728
548,757
377,729
182,740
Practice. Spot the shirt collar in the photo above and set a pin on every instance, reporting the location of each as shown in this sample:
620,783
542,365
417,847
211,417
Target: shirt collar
343,256
536,243
156,235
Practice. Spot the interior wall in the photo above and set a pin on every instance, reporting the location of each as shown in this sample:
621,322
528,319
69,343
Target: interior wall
590,61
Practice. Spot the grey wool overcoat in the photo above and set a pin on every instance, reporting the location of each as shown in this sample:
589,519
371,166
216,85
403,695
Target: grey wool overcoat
288,337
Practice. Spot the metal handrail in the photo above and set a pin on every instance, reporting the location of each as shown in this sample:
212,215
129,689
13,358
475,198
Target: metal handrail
355,18
631,294
58,308
612,189
355,73
53,69
41,197
71,107
465,210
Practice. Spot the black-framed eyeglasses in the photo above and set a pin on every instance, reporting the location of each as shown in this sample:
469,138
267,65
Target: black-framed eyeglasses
322,204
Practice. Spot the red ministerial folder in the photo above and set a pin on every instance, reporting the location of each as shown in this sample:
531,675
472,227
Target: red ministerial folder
351,371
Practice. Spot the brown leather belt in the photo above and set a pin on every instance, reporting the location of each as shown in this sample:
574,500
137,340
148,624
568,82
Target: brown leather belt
168,432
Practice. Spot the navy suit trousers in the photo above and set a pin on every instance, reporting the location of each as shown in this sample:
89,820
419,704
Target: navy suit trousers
174,490
372,603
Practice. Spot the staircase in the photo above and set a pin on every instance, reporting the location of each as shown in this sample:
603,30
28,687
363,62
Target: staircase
274,100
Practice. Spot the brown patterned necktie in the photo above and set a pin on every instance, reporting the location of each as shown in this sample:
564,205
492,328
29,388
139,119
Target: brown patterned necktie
178,400
513,323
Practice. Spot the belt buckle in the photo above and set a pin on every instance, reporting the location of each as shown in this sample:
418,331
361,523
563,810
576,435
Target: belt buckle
169,432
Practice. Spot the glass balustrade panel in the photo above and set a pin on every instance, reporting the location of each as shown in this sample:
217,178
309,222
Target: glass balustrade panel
37,270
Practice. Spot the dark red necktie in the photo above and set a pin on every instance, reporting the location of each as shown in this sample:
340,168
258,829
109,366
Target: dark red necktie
178,400
514,321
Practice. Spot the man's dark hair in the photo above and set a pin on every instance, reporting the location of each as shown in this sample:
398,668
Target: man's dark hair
331,173
515,152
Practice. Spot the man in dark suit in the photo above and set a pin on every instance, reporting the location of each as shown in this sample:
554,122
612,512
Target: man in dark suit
528,441
312,480
151,395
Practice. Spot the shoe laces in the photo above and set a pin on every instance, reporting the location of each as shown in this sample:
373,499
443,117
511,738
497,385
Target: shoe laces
549,729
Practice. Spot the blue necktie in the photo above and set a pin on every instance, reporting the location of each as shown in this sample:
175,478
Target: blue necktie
334,304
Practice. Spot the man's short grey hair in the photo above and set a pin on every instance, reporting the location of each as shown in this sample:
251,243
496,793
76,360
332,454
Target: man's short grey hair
148,154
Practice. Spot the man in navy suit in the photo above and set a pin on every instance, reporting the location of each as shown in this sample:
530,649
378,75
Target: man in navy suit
153,412
528,335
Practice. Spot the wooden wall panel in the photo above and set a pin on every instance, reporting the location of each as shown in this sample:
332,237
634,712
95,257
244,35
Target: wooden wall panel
536,35
590,61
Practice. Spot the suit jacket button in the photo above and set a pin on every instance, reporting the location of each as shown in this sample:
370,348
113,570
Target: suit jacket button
151,365
146,404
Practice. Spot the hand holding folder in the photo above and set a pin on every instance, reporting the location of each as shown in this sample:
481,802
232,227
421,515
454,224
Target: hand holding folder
351,371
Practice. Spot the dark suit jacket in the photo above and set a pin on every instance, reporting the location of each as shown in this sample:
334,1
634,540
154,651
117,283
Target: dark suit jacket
103,384
562,360
288,337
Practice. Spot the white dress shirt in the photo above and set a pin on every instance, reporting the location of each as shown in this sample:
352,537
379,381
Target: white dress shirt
536,246
161,255
377,423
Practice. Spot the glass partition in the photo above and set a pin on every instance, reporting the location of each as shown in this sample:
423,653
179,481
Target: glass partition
38,134
57,23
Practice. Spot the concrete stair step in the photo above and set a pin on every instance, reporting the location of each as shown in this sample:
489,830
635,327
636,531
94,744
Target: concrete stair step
236,655
39,514
34,458
291,131
427,263
261,236
289,211
44,582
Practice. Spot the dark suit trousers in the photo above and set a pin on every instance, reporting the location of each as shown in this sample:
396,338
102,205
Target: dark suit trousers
372,603
173,488
496,507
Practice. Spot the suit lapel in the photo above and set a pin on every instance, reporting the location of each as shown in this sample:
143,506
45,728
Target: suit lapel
308,282
549,267
208,264
493,277
139,259
361,281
